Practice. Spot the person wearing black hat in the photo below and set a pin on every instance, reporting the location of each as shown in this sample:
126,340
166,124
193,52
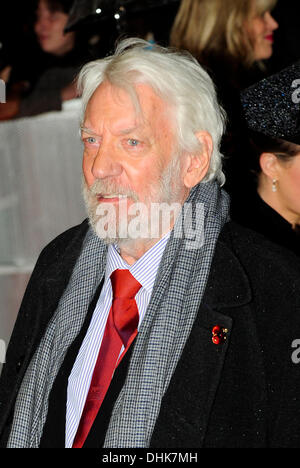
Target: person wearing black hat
272,112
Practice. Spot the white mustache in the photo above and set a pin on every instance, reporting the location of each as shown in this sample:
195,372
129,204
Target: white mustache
111,189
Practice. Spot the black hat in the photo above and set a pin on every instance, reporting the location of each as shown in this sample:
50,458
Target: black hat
272,106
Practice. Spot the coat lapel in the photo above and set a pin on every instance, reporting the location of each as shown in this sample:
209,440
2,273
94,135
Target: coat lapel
188,402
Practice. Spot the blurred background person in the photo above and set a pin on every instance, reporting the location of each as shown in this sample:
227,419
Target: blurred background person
274,210
51,19
232,39
272,111
63,55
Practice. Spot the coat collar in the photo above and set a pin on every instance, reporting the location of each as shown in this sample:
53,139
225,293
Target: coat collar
227,286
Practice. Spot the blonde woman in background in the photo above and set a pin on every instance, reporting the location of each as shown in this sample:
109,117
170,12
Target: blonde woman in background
239,32
231,39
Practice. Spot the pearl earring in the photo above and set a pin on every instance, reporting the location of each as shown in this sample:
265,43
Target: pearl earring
274,185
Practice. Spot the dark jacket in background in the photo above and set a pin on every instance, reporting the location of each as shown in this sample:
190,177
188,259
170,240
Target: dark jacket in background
44,94
260,217
230,78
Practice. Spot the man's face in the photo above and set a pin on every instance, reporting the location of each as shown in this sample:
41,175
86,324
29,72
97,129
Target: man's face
129,157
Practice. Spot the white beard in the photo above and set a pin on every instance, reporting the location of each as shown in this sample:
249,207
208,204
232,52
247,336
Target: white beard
132,219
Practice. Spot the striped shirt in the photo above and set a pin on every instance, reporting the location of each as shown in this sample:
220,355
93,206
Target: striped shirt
144,271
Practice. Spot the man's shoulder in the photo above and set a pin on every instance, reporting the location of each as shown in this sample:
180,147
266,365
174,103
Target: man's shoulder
71,237
68,235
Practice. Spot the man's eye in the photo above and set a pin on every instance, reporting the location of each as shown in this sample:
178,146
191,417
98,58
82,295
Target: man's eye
132,142
90,140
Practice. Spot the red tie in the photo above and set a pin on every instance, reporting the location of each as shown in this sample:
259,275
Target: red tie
121,329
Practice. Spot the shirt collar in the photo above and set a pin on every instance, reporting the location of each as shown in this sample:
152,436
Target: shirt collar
144,269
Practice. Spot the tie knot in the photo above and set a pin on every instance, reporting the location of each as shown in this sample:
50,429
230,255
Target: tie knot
124,309
124,285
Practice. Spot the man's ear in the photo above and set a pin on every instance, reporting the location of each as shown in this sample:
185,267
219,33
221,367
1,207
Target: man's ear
269,165
197,164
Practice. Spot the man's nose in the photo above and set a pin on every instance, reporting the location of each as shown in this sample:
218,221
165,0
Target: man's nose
106,164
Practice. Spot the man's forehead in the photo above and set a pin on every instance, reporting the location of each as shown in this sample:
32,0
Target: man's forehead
120,121
106,110
87,127
116,123
113,109
140,99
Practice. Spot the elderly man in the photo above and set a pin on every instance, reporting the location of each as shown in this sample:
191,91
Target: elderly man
158,323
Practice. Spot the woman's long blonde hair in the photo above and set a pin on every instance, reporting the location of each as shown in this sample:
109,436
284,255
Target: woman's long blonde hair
205,27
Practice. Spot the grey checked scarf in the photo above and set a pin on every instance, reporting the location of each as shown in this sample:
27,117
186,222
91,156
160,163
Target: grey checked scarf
177,294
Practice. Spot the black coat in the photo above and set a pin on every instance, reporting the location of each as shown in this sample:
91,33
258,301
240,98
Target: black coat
242,393
257,215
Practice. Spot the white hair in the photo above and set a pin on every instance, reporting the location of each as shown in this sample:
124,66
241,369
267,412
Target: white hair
177,78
